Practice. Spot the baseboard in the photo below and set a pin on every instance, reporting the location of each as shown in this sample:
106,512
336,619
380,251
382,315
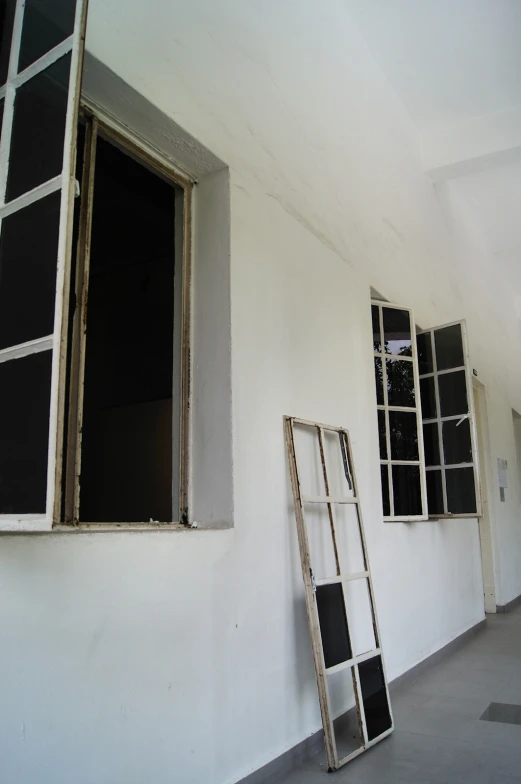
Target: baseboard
509,606
313,745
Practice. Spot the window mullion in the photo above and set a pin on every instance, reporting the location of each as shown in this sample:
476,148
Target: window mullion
439,422
386,406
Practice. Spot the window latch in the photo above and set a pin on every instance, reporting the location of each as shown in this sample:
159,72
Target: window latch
76,189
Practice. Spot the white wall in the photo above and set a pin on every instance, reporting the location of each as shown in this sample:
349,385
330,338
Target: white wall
185,657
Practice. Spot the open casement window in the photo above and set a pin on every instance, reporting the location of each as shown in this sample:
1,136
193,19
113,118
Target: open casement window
41,53
399,415
448,422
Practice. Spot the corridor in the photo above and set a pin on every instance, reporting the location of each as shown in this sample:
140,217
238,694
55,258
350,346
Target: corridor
439,736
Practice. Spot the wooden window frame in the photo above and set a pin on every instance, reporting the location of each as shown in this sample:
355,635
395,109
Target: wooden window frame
100,125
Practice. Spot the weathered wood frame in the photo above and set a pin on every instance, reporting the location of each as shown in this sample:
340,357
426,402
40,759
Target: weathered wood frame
385,407
64,182
321,671
100,125
438,419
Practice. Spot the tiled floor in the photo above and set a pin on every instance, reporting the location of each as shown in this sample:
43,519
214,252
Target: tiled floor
439,738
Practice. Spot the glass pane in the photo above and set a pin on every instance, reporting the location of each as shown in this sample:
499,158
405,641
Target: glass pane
384,471
25,394
461,490
406,490
342,700
333,623
434,492
457,446
46,24
449,347
378,375
377,340
424,348
431,444
404,435
7,9
374,697
428,398
381,434
453,393
28,256
397,332
38,129
400,383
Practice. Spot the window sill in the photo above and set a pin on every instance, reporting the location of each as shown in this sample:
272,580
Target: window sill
98,528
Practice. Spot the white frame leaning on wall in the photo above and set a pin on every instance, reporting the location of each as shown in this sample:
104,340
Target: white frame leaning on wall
439,420
64,182
382,355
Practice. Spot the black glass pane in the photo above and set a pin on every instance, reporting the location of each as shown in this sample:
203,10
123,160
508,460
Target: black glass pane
333,623
28,254
428,398
404,435
434,492
377,340
25,393
424,348
378,375
400,383
385,490
381,433
397,332
406,490
7,8
374,697
431,444
449,347
38,129
453,393
46,24
457,446
461,490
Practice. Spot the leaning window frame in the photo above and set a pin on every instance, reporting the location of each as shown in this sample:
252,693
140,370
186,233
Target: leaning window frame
417,409
467,367
107,127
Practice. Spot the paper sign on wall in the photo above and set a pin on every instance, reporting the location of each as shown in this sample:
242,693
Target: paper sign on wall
502,466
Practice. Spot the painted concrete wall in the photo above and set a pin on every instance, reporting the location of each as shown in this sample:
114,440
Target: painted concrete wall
185,657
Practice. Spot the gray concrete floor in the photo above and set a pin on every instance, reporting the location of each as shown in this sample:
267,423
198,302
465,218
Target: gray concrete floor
438,737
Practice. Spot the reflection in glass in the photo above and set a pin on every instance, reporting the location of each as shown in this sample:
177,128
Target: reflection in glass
7,9
461,490
428,398
457,446
385,490
38,129
377,340
406,490
397,331
378,375
374,697
400,383
381,433
452,388
431,444
333,623
46,24
434,492
28,257
449,347
404,435
25,393
424,348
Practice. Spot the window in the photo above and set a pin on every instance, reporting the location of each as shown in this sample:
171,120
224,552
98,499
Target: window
94,296
399,415
122,459
428,458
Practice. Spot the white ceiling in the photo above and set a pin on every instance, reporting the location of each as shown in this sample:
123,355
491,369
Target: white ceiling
456,66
